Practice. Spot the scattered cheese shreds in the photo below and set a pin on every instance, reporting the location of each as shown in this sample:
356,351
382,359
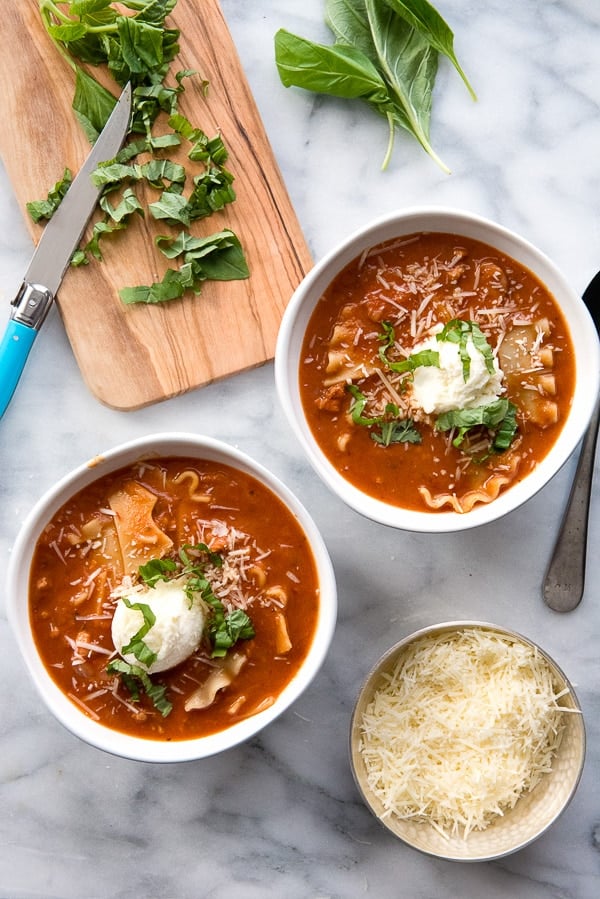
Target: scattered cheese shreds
465,724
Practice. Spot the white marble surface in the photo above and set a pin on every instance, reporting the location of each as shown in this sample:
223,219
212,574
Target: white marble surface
280,816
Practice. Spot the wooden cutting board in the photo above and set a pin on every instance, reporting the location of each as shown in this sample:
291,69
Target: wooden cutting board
131,356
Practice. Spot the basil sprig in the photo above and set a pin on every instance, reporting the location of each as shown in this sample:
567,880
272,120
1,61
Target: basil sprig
385,53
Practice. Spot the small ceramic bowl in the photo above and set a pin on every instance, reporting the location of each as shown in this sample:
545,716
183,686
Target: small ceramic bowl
113,741
533,812
288,362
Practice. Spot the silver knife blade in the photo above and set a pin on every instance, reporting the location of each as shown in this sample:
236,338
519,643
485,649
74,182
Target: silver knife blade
63,232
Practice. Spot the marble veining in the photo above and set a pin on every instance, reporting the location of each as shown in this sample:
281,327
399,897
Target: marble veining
279,817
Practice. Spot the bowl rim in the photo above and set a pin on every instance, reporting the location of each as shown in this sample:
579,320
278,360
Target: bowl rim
366,690
468,224
17,586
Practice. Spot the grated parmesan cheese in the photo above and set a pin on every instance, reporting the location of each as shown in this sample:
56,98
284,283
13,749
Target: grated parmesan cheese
465,724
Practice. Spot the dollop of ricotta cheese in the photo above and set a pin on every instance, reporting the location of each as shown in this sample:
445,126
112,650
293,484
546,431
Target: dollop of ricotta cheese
444,389
176,632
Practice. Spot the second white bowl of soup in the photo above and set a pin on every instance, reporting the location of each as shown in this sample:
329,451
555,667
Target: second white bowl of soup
170,598
437,369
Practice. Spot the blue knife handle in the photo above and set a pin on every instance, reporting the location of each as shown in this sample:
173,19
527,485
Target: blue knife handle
14,350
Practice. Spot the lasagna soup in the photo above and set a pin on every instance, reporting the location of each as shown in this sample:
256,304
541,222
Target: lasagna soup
173,598
436,372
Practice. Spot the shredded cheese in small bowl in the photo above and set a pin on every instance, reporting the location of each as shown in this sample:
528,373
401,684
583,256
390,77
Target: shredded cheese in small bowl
467,741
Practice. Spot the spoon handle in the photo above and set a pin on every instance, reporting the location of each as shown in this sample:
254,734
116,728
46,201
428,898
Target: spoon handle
565,577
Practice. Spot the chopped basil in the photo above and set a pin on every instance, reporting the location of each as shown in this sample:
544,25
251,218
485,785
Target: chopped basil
498,417
458,331
391,427
412,362
156,570
136,645
224,628
45,209
218,257
133,677
138,48
506,430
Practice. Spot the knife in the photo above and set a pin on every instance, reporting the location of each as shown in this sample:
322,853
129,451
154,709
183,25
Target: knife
60,238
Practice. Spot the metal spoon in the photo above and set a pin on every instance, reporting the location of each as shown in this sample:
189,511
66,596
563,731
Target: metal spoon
565,577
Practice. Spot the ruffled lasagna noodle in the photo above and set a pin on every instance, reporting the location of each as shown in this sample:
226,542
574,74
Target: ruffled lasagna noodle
415,286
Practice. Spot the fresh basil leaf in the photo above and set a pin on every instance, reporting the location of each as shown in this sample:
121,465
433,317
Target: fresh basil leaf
154,11
217,257
357,407
209,150
490,416
92,104
204,149
213,557
481,344
157,693
387,338
409,66
424,358
157,171
341,71
78,258
89,9
65,33
132,40
212,191
385,52
427,20
114,173
348,21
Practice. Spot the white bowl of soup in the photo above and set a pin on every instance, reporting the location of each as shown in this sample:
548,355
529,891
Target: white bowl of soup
170,597
437,369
